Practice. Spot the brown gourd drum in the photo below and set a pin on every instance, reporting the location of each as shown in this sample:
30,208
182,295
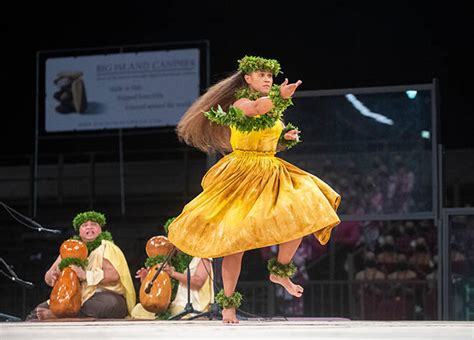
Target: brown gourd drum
65,298
159,297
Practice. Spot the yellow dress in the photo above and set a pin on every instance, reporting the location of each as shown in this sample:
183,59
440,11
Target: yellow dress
252,199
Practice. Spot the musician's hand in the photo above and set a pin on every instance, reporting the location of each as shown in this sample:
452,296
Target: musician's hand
52,276
81,273
169,269
141,273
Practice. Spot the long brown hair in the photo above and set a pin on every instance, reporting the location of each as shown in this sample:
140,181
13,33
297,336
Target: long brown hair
196,130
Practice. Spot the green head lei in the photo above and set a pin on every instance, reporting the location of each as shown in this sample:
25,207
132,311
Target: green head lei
88,216
249,64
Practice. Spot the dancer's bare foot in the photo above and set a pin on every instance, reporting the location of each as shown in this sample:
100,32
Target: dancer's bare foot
229,316
291,288
44,314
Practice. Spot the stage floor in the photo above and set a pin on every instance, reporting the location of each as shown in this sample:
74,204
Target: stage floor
291,329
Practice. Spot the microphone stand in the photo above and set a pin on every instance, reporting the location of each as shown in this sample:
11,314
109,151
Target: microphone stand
188,309
29,223
13,277
214,311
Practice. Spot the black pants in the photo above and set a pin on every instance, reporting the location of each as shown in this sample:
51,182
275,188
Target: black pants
102,305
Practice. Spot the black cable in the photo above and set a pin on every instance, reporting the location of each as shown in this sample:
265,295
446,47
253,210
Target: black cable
253,315
11,211
12,273
33,225
5,274
14,277
208,273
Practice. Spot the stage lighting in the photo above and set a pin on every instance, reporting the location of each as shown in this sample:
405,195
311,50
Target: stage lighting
411,94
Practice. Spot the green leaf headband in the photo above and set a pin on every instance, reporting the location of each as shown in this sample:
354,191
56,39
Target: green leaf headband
88,216
249,64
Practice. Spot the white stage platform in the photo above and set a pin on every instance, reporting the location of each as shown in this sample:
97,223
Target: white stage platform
214,330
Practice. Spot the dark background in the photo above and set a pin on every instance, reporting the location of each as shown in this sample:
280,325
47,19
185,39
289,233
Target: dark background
330,45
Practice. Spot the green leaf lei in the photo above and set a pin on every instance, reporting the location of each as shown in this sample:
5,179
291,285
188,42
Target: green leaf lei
249,64
233,301
151,261
247,92
280,104
88,216
236,118
279,269
91,246
72,260
286,142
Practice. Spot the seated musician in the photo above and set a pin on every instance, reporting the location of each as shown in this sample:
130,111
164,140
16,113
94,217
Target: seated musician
201,285
107,290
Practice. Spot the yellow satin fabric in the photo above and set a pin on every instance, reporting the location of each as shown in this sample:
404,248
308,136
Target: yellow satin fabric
252,199
111,252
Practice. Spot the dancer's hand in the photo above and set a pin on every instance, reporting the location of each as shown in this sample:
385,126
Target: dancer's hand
287,90
292,135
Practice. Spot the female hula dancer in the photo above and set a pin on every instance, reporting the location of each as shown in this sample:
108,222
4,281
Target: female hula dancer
250,198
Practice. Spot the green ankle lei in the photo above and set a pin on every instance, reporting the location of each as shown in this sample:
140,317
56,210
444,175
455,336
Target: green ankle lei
236,118
279,269
233,301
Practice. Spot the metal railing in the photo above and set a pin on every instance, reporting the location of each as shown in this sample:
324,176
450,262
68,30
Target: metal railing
357,300
360,300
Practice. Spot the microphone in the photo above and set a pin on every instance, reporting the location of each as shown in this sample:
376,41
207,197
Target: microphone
13,276
41,228
34,224
25,284
54,231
